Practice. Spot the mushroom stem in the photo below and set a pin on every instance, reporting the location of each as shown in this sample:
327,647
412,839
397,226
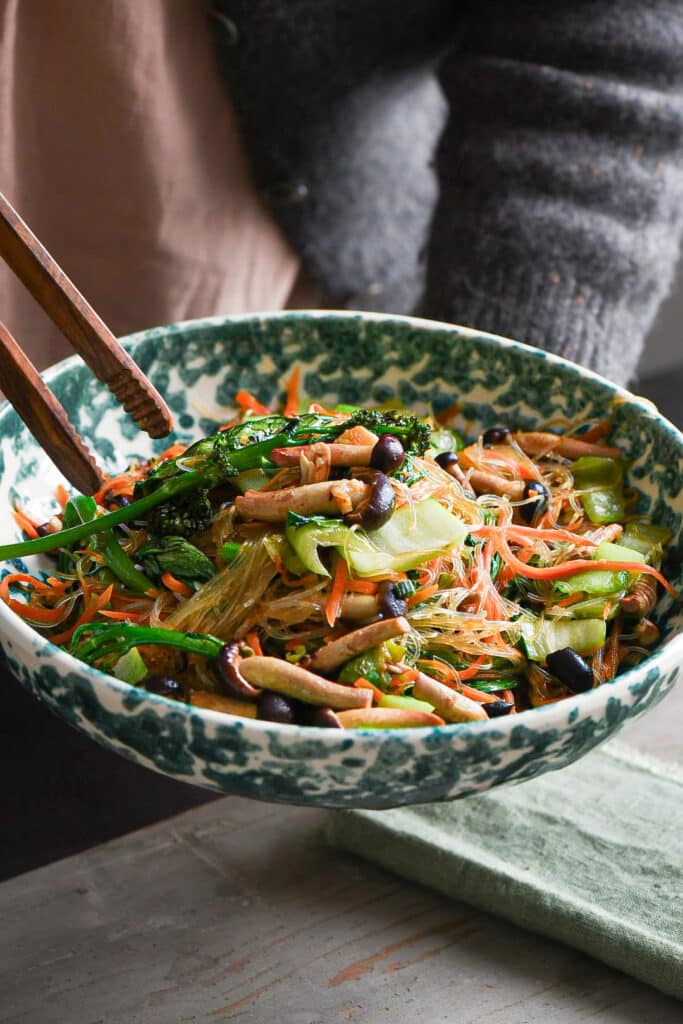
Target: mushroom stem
451,705
540,443
641,600
214,702
340,454
327,498
336,652
387,718
294,681
359,607
485,482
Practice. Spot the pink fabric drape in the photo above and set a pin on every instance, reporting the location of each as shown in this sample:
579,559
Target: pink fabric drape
119,146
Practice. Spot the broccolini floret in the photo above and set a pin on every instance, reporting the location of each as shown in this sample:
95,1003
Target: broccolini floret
414,433
181,517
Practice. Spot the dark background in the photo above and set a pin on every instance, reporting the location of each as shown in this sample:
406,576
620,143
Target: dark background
61,793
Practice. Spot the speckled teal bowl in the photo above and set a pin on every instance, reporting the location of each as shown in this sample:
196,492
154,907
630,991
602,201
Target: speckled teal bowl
357,358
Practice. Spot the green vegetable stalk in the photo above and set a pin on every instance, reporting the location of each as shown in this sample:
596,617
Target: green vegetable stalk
216,459
81,510
602,482
104,641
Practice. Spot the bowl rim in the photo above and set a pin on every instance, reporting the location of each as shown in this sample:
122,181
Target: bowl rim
557,713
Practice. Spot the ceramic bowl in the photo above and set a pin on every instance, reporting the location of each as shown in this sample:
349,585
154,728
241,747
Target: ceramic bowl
355,358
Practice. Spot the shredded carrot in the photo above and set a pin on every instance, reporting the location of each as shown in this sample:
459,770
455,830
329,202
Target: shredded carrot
98,496
88,615
409,676
292,403
531,534
33,612
442,668
364,684
422,595
176,585
58,585
474,668
124,483
361,587
62,495
556,572
137,617
250,403
474,694
334,601
25,524
18,577
494,459
254,642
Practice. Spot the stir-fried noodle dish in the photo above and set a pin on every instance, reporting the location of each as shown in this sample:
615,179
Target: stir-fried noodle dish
353,568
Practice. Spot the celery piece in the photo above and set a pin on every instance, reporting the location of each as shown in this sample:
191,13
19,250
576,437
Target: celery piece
646,538
602,581
617,553
597,471
410,537
603,505
390,700
277,546
370,665
130,668
597,607
602,482
444,440
583,635
593,581
308,533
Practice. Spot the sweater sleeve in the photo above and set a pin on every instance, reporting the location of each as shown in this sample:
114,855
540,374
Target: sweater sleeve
340,113
561,175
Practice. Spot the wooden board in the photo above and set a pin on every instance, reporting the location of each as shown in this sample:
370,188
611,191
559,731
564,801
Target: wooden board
238,911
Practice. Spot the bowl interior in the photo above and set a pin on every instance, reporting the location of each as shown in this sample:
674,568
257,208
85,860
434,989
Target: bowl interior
363,359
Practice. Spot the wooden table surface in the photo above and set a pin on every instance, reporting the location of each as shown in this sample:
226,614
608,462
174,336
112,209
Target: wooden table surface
237,910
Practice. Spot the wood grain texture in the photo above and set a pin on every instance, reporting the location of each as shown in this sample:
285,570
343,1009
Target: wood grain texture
79,322
45,417
237,911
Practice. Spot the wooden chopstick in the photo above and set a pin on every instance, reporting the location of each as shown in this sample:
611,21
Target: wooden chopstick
80,324
45,417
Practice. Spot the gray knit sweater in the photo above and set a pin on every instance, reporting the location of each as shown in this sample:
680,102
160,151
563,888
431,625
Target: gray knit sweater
513,166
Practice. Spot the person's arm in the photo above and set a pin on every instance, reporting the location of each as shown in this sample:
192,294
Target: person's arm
561,175
340,112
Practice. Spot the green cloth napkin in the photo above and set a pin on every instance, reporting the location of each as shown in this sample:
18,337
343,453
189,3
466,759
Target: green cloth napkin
591,856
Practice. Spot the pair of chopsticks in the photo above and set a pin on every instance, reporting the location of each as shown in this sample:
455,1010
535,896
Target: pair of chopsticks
91,338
